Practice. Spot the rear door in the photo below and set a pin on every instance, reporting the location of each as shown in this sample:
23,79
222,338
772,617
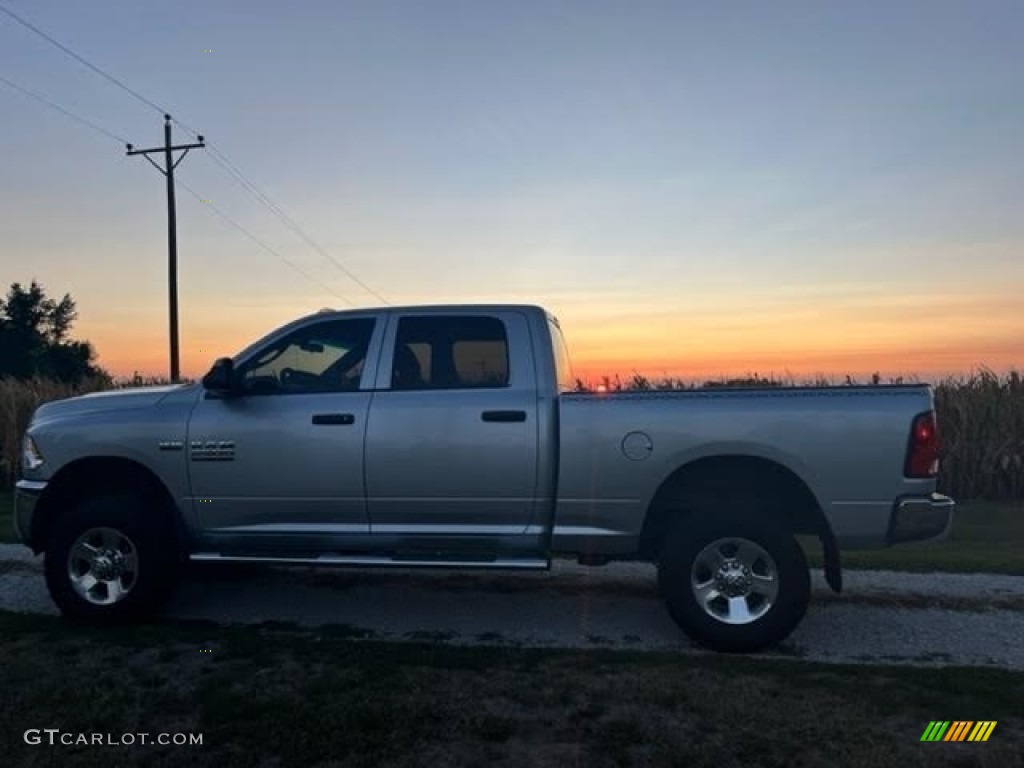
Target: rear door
452,438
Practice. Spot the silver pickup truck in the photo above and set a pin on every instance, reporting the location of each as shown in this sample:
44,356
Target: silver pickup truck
451,436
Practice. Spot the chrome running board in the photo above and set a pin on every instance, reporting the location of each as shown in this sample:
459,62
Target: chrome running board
398,561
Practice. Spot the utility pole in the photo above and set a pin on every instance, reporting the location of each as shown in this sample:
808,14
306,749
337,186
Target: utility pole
172,227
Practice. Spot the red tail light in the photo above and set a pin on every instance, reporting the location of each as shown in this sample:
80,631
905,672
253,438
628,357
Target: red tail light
923,451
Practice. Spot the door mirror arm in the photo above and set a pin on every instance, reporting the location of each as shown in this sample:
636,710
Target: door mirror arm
220,381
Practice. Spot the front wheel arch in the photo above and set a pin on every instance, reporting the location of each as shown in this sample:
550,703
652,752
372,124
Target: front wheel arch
95,476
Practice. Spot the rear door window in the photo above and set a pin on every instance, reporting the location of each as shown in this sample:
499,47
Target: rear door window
450,352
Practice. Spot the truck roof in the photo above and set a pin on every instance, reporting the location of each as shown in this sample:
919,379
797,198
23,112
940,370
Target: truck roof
438,307
431,308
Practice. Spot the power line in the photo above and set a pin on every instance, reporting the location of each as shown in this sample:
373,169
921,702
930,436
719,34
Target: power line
217,156
59,108
232,222
262,244
79,59
220,159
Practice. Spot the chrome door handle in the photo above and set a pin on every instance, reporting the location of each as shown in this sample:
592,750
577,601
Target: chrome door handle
503,415
334,418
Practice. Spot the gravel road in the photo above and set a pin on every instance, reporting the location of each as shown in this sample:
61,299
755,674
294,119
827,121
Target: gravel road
881,617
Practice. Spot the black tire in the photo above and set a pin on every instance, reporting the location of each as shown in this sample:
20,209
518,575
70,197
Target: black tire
148,534
772,620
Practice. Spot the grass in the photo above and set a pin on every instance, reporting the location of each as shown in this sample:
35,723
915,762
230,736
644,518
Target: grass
282,697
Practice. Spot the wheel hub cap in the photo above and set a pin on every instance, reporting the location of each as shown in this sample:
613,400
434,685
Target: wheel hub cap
734,580
107,565
102,566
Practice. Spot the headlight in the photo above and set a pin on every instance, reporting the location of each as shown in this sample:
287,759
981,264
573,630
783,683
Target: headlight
31,458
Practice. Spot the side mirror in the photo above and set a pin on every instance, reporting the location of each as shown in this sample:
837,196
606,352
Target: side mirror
221,378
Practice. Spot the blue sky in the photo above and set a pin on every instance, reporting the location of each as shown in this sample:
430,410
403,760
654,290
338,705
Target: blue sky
691,187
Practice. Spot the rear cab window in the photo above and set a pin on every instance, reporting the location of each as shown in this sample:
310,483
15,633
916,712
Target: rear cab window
563,366
450,352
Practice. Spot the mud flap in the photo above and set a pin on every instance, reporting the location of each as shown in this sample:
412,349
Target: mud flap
833,569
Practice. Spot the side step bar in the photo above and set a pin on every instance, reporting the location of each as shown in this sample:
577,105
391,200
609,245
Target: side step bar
411,561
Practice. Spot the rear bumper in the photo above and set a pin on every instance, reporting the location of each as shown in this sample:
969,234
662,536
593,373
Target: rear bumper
26,496
921,518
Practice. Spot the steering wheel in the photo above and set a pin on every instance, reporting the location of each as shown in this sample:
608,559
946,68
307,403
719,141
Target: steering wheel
287,376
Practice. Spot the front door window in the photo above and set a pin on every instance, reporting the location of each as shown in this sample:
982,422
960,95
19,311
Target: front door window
325,357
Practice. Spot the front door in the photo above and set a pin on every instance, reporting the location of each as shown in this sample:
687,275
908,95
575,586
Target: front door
286,454
451,446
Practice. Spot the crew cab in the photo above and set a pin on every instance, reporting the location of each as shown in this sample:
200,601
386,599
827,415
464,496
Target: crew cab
453,436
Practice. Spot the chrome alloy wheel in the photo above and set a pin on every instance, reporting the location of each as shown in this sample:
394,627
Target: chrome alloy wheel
734,581
103,566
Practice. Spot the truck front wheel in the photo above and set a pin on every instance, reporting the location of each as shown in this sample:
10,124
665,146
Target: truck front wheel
112,557
734,585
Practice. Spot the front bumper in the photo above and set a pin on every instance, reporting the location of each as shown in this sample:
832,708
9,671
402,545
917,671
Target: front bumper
26,496
921,518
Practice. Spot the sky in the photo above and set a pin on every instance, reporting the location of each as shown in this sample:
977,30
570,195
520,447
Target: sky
694,189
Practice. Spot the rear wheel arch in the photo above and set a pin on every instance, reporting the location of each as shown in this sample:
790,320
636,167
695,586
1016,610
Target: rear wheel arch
729,484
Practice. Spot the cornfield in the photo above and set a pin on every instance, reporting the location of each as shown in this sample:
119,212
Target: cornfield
981,418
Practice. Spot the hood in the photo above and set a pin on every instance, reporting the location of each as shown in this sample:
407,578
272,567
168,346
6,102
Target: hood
110,400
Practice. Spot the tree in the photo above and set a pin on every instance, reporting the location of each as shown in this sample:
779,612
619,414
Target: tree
34,337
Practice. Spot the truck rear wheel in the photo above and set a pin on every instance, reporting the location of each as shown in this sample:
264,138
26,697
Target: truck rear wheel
734,585
111,558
